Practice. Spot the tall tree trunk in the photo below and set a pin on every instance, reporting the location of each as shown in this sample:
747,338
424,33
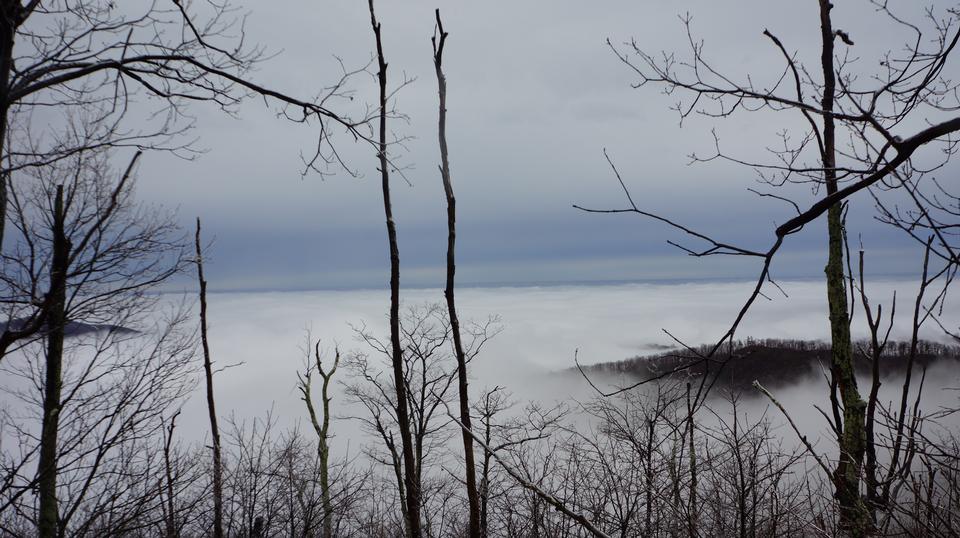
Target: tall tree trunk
48,518
468,456
323,448
484,488
9,21
692,509
170,520
406,439
211,403
854,518
648,480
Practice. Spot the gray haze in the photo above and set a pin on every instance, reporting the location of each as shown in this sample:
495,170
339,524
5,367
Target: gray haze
542,329
535,95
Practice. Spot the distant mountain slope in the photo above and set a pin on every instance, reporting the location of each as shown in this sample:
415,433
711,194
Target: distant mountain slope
773,362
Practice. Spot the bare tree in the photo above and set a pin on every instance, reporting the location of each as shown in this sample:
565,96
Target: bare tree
470,470
177,476
429,382
321,425
411,485
116,388
85,255
835,105
96,56
48,517
211,400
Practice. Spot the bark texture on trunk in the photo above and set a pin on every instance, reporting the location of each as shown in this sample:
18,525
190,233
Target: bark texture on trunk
48,516
854,517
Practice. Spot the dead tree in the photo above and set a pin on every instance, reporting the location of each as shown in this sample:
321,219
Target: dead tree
211,401
322,427
169,509
403,418
470,471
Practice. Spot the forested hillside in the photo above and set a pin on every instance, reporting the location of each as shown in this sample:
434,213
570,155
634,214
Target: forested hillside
777,363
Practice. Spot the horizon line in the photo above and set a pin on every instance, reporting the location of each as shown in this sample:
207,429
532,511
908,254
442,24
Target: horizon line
520,284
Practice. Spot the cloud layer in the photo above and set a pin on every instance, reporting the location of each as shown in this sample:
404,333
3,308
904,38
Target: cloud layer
542,330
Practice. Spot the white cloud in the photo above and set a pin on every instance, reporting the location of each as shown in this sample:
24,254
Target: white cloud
542,329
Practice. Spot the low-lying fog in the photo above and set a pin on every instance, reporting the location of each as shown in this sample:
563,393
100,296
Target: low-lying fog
542,329
258,339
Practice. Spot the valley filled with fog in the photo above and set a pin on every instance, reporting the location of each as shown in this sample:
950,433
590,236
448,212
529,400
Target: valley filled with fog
258,340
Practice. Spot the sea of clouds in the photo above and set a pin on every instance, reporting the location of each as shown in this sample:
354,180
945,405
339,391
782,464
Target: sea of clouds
262,336
258,342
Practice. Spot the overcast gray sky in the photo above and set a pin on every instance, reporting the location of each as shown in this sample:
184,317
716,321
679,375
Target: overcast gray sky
535,95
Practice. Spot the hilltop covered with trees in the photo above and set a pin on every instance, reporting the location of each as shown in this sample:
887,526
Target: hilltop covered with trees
776,362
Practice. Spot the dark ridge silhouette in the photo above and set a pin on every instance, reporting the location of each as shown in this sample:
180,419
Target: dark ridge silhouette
773,362
74,328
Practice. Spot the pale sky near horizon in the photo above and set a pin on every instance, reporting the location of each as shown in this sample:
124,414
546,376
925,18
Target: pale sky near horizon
535,95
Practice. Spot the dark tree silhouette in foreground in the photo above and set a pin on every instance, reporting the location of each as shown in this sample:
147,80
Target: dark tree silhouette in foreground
80,241
412,499
470,467
211,400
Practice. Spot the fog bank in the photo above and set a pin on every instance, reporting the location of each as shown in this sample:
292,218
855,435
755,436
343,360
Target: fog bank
262,335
